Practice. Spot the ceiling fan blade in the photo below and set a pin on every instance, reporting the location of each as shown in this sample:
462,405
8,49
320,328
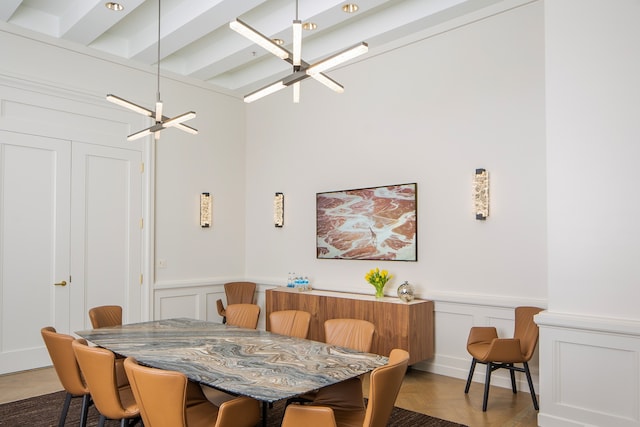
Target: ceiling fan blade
258,38
179,119
328,82
130,105
338,58
297,43
158,111
185,128
296,92
139,134
267,90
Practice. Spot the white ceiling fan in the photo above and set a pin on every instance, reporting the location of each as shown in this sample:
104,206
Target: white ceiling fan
161,121
301,69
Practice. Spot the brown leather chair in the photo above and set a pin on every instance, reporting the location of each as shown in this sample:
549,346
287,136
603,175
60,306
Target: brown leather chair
68,371
293,323
105,316
243,315
351,333
168,399
485,347
355,334
347,408
236,293
98,366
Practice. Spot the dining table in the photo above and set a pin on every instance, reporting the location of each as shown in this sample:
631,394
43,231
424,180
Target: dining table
242,362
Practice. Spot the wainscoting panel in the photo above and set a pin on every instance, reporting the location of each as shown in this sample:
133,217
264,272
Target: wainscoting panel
590,371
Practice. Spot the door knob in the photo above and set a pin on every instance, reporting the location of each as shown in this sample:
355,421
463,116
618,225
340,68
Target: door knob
63,283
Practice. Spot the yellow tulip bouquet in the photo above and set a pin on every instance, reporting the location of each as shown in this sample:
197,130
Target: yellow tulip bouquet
378,279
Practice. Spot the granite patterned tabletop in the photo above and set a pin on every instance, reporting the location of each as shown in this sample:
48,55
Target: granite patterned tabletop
247,362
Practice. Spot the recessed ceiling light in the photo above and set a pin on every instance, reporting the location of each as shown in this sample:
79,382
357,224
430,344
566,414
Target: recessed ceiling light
114,6
350,8
279,42
309,26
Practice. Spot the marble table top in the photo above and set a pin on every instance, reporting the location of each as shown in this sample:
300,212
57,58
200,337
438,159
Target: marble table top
247,362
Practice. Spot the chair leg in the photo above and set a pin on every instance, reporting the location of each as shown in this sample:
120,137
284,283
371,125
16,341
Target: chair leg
513,378
487,382
65,410
473,368
86,402
101,421
533,392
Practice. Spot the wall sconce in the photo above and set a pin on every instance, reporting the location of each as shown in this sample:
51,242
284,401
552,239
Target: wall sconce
205,210
481,194
278,210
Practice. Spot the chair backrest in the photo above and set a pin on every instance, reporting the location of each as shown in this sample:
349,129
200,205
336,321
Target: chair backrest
105,316
64,361
161,395
294,323
526,330
239,292
99,371
355,334
168,399
384,385
243,315
308,416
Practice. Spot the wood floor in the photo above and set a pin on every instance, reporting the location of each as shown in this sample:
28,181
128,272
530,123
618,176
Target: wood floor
431,394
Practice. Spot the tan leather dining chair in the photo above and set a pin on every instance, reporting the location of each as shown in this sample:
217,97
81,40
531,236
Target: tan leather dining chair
98,366
236,293
105,316
355,334
68,371
293,323
168,399
485,347
346,409
243,315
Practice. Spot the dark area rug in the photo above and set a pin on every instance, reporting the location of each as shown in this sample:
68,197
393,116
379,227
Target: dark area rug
43,411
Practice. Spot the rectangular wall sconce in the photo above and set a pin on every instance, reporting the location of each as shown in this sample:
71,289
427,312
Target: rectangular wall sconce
481,194
205,210
278,210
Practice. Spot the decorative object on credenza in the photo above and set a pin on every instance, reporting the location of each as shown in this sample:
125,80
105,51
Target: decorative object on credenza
278,210
405,291
378,279
481,194
301,69
376,223
205,210
161,121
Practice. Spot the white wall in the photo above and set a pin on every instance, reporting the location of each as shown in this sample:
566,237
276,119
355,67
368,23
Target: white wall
186,165
590,337
429,112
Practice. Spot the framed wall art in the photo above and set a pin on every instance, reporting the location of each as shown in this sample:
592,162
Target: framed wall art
376,223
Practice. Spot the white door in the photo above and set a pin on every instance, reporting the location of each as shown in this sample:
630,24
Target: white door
34,245
70,213
106,234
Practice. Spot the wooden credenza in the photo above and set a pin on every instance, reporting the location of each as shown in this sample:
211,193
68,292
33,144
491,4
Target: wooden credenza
408,326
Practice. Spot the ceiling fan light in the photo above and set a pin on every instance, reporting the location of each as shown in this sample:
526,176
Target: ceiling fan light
268,90
328,82
338,58
297,43
258,38
179,119
130,105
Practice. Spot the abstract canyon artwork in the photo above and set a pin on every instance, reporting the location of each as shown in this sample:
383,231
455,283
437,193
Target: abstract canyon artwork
377,223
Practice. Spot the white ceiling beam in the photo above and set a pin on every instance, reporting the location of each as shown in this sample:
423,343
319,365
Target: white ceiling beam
8,8
88,19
